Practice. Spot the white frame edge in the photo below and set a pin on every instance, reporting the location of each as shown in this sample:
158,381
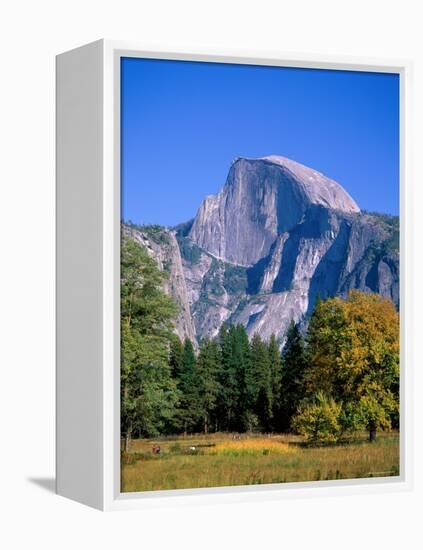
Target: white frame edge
105,493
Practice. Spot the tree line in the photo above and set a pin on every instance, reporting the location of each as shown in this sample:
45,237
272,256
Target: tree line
342,375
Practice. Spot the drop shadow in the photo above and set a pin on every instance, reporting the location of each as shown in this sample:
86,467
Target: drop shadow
46,483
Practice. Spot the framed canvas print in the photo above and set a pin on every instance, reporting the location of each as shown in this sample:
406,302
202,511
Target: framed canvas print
232,276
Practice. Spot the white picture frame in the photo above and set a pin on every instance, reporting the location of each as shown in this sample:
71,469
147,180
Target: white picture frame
88,282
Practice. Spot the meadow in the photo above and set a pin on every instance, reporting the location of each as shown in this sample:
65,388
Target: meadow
221,459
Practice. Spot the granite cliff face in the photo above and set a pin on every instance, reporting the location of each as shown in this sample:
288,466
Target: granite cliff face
274,238
161,244
262,198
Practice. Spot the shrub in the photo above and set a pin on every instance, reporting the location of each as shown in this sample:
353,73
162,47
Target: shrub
318,420
156,233
235,279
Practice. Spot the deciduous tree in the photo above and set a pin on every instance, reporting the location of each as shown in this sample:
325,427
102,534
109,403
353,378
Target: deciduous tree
353,355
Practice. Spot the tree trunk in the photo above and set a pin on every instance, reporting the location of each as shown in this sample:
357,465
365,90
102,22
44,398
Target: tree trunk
206,425
128,438
372,432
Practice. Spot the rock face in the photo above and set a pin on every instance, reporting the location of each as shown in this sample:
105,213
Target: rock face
274,238
262,198
162,245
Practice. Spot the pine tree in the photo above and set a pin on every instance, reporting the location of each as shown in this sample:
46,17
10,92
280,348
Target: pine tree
292,376
144,305
188,383
276,376
229,391
242,366
148,393
175,355
208,365
262,381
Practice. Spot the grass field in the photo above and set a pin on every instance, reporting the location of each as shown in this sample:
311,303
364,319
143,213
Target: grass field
219,460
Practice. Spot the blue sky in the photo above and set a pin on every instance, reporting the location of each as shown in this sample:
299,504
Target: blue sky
184,122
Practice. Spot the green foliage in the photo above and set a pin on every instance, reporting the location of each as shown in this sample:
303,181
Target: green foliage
176,355
235,279
188,381
327,336
144,305
318,420
233,398
249,378
241,363
189,250
212,282
342,377
391,226
156,233
392,243
275,377
261,383
228,395
148,392
376,406
208,365
293,376
353,354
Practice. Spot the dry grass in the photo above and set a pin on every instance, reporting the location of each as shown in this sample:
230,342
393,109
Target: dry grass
250,447
219,460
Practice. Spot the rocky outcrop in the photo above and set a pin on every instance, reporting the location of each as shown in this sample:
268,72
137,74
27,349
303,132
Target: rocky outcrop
162,245
277,236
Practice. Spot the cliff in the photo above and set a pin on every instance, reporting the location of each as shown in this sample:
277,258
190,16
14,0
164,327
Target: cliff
261,199
275,237
162,245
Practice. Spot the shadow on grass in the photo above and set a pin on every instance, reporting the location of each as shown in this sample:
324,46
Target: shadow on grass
317,445
46,483
343,442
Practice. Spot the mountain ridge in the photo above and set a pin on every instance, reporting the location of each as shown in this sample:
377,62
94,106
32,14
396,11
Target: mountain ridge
277,235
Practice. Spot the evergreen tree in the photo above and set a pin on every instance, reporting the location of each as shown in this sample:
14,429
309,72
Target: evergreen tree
276,376
188,383
175,356
262,381
292,376
148,393
241,359
188,357
229,392
208,365
144,305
